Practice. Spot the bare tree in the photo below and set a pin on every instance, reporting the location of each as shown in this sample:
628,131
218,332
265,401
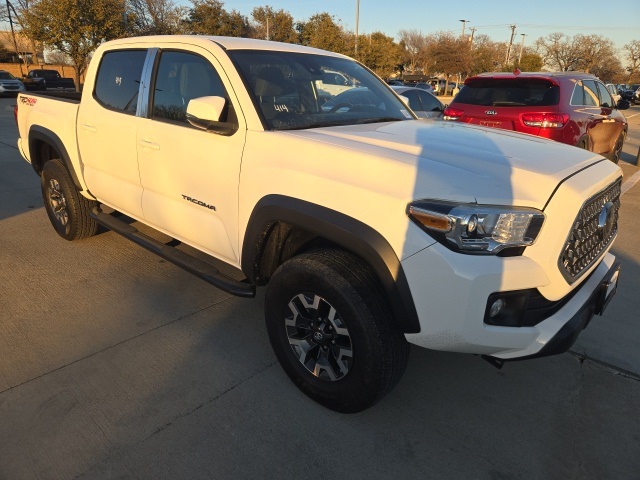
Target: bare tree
559,52
415,48
632,50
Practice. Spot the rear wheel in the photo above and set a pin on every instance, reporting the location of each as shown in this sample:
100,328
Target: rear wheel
68,211
332,330
583,143
617,150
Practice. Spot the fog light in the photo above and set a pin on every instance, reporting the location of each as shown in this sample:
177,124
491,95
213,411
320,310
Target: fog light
496,308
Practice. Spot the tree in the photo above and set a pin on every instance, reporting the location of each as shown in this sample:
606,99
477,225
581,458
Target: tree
321,31
208,17
377,51
154,17
75,27
414,48
273,25
531,61
597,56
450,54
559,52
58,58
25,42
632,51
486,55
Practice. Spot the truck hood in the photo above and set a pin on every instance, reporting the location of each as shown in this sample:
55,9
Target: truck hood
460,162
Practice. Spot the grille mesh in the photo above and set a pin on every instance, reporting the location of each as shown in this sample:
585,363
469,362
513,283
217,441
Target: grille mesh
587,239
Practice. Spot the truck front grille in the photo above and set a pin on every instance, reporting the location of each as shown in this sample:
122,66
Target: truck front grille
593,230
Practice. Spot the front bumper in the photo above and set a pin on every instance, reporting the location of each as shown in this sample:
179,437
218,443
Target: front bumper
451,297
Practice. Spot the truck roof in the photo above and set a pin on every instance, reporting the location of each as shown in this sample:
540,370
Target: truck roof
227,43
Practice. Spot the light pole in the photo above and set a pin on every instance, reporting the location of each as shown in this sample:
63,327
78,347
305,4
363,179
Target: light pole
357,20
464,23
521,47
13,33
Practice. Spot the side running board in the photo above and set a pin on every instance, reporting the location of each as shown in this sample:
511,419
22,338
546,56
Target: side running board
203,270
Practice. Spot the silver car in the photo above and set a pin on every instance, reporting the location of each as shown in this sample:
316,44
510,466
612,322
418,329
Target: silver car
423,103
10,85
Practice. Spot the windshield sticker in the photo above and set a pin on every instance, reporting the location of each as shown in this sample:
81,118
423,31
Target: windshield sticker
405,113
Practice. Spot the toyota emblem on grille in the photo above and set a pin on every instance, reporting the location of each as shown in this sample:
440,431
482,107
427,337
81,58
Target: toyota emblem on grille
606,220
491,112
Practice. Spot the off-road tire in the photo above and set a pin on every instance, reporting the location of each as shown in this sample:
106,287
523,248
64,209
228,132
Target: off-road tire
68,211
339,280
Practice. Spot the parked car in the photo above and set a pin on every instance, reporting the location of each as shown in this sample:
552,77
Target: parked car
439,87
613,90
10,85
569,107
393,82
423,103
45,79
357,98
628,94
425,86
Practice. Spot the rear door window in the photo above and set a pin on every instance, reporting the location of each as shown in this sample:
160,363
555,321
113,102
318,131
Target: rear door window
590,93
605,96
509,92
118,80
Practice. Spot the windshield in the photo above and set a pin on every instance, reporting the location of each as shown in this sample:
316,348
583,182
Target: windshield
6,76
296,90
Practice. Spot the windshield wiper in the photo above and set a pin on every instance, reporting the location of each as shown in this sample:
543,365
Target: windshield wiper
379,120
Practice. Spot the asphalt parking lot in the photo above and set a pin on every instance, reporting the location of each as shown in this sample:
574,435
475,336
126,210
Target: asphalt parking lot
116,364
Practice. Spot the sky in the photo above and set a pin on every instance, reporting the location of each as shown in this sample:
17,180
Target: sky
621,23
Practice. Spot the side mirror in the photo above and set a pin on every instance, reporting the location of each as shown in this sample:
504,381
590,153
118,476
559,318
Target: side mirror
404,99
205,113
623,104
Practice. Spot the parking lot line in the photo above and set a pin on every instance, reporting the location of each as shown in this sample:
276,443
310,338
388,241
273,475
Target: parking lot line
635,178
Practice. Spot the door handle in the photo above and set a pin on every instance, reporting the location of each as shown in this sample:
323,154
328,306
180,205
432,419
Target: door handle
149,144
89,128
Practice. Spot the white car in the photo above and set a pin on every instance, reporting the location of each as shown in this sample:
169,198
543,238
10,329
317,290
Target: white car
613,90
10,85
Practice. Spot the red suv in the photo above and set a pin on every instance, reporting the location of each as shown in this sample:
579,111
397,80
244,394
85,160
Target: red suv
569,107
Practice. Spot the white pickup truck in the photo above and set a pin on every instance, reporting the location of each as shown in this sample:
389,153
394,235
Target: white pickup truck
371,229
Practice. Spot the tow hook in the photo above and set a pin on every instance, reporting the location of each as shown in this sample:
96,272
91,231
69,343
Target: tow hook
496,362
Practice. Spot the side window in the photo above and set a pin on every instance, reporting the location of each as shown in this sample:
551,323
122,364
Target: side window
414,101
605,97
578,94
181,77
590,93
118,79
429,102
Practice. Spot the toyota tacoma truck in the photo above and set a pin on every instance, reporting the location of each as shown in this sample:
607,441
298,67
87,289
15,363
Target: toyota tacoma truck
371,229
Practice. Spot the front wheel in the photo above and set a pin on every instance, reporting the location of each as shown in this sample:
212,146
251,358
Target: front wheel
68,211
332,330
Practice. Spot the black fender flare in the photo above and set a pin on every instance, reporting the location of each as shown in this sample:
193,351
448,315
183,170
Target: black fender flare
343,230
41,134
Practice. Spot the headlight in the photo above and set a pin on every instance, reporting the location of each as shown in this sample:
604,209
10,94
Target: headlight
479,229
